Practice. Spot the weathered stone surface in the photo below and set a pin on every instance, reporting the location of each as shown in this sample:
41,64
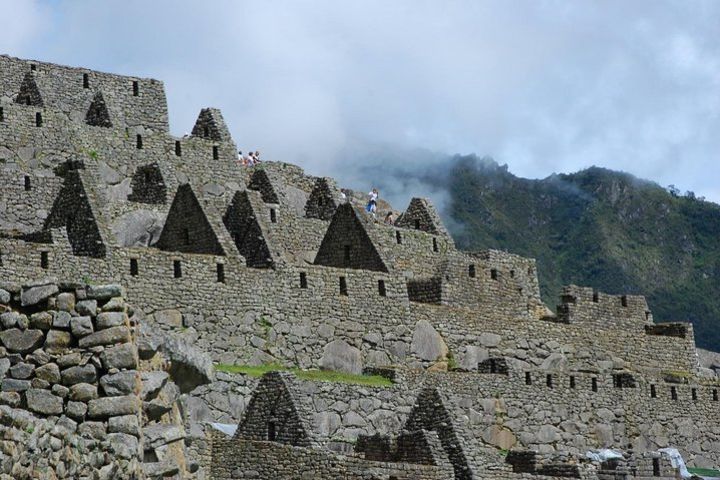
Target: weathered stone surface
76,410
58,340
121,356
22,370
83,392
171,318
34,295
105,292
86,307
48,372
113,406
106,337
162,434
9,319
5,296
4,367
500,437
338,355
12,385
81,326
44,402
152,382
66,302
122,383
124,424
111,319
61,320
41,320
80,374
140,228
189,367
427,343
123,445
490,339
472,356
21,341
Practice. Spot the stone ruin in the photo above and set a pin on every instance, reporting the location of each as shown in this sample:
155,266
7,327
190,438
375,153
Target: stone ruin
134,265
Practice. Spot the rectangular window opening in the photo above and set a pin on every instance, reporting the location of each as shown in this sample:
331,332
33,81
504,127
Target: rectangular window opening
138,141
178,149
653,391
381,288
656,467
216,152
398,237
471,271
494,274
220,271
346,254
528,378
186,236
33,67
549,381
596,297
693,392
623,301
272,434
177,269
673,393
2,114
206,132
593,384
38,119
512,273
435,245
343,286
303,280
273,216
27,184
86,80
572,382
133,267
417,224
715,395
136,88
44,261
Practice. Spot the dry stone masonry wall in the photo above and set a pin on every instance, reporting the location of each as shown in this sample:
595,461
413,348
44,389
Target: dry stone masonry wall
268,265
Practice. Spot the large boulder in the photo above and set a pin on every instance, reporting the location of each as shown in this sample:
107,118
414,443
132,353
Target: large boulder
427,343
189,367
340,356
34,294
44,402
140,228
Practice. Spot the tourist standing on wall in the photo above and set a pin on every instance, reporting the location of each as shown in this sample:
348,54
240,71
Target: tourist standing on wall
372,201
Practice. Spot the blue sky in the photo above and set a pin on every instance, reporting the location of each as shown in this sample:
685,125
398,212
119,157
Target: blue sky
544,86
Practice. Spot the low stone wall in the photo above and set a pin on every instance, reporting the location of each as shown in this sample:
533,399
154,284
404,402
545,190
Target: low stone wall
70,390
260,460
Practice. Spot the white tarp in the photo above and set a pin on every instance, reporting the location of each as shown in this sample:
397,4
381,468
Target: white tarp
226,428
603,455
676,460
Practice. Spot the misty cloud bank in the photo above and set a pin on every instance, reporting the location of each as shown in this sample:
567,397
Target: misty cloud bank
364,90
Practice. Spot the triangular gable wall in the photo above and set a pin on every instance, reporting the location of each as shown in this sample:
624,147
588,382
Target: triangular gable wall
210,124
274,413
430,413
29,92
421,215
187,229
71,209
347,244
260,182
323,200
97,114
242,223
148,185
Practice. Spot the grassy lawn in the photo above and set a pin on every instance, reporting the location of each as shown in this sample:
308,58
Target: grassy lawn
314,375
704,472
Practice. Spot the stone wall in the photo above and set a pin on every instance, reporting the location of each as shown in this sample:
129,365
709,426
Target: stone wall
70,388
252,459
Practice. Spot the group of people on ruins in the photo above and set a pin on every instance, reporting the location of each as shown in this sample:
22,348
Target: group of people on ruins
371,207
249,160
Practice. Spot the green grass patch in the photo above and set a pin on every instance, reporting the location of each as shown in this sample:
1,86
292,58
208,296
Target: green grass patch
704,472
314,375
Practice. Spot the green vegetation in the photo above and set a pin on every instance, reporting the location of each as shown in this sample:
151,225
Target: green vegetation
314,375
704,472
598,228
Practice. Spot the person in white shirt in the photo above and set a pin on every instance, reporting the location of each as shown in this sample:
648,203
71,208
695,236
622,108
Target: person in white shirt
372,201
